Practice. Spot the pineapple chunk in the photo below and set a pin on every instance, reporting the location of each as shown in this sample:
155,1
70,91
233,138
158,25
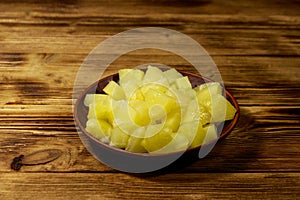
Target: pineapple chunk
134,145
123,73
213,87
114,90
204,135
189,130
221,109
199,137
210,96
192,109
178,143
183,83
153,97
101,111
135,140
131,89
172,75
230,111
130,81
210,133
157,114
98,128
173,120
197,134
136,95
158,87
184,96
153,129
204,115
154,75
96,99
141,116
124,116
208,91
118,138
157,141
127,75
192,112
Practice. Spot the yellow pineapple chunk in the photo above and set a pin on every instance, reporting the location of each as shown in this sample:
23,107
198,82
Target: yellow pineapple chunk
221,109
130,81
199,137
172,75
98,128
173,120
114,90
189,130
141,115
210,96
154,75
123,72
183,83
96,99
210,133
135,140
153,97
206,92
157,141
101,112
178,143
118,138
128,75
150,86
137,95
124,116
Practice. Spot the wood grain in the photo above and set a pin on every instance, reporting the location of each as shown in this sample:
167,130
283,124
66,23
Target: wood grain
170,186
251,35
255,44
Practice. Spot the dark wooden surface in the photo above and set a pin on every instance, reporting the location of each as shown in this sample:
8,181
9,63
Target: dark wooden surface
256,45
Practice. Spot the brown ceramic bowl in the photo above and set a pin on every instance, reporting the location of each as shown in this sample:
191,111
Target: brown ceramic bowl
140,162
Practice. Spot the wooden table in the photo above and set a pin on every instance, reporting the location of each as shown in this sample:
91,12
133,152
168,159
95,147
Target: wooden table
255,44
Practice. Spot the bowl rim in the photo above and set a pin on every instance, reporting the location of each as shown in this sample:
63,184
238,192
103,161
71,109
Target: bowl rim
110,77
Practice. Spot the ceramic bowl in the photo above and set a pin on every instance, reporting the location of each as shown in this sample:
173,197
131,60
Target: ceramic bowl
125,161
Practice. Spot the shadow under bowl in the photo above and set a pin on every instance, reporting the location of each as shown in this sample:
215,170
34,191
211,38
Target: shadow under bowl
125,161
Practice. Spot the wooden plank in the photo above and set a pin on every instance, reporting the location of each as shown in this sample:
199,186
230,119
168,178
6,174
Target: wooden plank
115,7
238,42
63,32
44,82
265,139
169,186
220,21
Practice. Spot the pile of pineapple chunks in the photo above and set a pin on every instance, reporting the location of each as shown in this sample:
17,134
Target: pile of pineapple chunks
156,112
